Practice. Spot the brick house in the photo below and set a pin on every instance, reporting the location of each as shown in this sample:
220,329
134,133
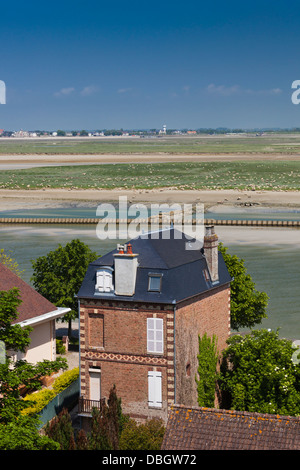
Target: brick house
141,312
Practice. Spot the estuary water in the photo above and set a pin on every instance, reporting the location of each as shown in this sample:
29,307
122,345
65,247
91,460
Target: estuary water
271,255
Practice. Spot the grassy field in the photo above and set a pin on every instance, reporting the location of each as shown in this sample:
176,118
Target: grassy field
241,144
272,175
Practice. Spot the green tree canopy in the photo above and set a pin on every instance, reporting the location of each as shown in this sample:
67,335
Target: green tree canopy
59,275
259,374
248,305
13,336
10,263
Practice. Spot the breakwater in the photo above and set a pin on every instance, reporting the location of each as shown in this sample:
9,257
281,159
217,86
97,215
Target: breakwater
93,221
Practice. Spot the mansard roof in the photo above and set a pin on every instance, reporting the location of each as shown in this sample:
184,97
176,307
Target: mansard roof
178,258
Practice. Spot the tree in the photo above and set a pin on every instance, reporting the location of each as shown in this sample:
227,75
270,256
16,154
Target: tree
10,263
146,436
13,336
207,371
258,374
23,435
60,430
248,306
59,275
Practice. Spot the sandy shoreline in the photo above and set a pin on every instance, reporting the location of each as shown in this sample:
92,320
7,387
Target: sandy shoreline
21,199
57,159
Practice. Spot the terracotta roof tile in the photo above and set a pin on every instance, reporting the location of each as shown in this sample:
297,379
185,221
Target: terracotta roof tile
33,304
213,429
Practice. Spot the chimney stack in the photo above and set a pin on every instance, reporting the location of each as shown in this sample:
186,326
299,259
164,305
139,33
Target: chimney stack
210,247
126,264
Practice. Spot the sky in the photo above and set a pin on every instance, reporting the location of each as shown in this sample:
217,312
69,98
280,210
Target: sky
139,65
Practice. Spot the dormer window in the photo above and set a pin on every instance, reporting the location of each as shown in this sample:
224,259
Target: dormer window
154,282
104,280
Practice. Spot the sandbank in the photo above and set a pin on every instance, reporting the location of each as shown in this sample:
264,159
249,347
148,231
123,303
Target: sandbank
26,199
25,161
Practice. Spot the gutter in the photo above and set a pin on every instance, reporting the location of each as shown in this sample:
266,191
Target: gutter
174,354
59,312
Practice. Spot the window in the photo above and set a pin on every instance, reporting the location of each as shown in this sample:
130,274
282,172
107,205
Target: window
104,280
95,384
154,389
155,343
96,330
154,283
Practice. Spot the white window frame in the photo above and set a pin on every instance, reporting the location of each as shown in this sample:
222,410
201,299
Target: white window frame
155,335
154,389
104,280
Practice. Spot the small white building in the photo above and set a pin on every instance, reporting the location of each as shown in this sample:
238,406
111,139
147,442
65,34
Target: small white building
37,312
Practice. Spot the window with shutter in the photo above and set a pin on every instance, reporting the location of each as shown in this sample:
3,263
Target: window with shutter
155,343
104,280
154,389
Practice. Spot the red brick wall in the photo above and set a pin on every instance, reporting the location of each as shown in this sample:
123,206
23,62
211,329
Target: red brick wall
117,344
114,338
208,314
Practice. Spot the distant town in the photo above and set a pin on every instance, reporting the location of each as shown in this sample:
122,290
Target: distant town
138,132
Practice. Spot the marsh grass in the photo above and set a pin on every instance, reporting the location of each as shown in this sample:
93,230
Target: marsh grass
269,143
263,175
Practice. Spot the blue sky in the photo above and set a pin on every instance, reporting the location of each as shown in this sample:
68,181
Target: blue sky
96,65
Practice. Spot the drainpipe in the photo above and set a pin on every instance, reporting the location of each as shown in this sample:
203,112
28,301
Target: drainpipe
174,310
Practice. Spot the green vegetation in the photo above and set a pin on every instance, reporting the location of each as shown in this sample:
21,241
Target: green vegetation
40,399
207,364
110,430
268,143
247,305
59,275
260,175
259,374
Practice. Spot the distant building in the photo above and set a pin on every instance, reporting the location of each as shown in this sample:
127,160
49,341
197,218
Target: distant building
141,313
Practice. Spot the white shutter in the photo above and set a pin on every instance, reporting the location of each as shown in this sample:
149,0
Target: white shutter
100,280
107,281
95,385
154,389
104,281
155,338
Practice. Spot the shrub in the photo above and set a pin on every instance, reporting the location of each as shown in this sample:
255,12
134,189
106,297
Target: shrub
65,379
41,398
147,436
60,348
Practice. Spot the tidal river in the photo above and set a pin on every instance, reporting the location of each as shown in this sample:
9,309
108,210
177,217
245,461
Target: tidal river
272,255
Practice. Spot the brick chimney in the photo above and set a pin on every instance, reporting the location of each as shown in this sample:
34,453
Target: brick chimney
210,248
126,264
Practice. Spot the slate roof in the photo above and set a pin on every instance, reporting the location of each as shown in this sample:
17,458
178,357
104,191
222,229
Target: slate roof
182,269
33,304
213,429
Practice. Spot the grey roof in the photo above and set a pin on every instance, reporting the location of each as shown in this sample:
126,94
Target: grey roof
166,253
